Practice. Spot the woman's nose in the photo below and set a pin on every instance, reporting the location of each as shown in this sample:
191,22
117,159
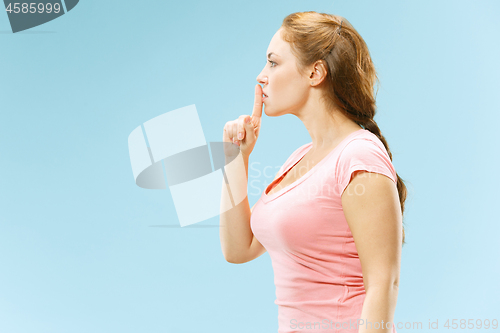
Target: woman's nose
260,78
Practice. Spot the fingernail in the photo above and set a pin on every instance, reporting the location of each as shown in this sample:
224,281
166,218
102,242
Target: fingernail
247,120
240,135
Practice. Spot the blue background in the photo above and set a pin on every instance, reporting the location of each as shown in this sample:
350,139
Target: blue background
79,250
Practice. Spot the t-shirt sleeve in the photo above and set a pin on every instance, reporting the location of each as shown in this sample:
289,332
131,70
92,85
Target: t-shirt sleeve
363,154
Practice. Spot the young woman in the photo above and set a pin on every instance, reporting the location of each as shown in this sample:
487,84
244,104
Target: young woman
332,218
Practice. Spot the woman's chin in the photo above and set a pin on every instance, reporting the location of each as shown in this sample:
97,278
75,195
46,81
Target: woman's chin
271,113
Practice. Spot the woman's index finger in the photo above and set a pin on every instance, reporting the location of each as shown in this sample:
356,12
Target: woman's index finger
257,105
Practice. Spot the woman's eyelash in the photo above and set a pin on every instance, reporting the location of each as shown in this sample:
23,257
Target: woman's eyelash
271,62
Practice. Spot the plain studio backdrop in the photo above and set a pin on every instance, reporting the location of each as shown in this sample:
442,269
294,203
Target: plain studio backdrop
84,249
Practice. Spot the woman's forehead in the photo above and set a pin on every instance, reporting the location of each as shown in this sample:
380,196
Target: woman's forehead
278,46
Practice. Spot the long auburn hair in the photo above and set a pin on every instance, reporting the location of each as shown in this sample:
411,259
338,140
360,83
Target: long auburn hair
351,74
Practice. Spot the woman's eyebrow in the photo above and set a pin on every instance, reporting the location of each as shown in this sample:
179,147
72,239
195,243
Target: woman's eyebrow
271,53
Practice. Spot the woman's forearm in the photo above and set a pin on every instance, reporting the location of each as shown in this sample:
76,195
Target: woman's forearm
378,309
235,232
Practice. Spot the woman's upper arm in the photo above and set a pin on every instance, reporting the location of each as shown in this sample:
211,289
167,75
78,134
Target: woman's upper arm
373,212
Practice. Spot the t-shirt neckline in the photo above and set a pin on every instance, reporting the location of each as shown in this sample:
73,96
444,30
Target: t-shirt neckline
266,197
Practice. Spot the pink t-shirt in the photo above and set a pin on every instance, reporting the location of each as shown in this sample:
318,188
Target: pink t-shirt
317,272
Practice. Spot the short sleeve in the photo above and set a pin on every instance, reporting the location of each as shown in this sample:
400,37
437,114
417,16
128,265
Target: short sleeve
363,154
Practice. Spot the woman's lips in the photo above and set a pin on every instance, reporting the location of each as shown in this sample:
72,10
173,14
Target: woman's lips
264,97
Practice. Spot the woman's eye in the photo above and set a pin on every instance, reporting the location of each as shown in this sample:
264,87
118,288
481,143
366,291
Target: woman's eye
271,62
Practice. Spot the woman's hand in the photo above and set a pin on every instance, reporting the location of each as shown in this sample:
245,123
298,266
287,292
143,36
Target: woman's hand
248,131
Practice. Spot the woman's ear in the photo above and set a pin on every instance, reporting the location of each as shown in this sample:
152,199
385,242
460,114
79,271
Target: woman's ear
318,74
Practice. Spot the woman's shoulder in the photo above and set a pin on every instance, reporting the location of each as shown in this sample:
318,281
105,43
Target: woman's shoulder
364,152
362,141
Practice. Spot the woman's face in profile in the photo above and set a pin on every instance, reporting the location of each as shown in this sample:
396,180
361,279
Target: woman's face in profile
285,87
